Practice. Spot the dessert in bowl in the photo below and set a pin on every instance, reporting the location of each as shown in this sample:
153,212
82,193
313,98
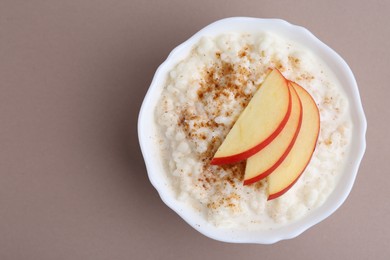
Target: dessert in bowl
230,173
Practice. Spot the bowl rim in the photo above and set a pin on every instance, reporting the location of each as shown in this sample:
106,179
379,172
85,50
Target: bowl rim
359,135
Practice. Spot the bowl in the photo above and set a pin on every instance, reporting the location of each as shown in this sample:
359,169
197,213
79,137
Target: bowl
147,131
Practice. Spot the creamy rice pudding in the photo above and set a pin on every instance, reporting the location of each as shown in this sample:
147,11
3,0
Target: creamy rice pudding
203,97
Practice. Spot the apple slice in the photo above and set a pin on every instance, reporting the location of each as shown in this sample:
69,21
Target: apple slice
261,121
268,159
292,167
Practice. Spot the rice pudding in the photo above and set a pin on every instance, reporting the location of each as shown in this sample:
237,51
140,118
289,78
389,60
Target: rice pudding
203,97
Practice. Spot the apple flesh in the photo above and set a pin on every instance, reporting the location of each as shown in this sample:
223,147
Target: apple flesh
292,167
261,121
268,159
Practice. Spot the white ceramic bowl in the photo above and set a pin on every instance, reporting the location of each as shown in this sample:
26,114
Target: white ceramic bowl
154,164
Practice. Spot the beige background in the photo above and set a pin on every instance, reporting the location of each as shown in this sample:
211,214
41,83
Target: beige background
73,74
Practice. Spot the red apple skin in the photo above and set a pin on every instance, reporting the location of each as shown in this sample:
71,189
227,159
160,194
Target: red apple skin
248,153
270,170
281,192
